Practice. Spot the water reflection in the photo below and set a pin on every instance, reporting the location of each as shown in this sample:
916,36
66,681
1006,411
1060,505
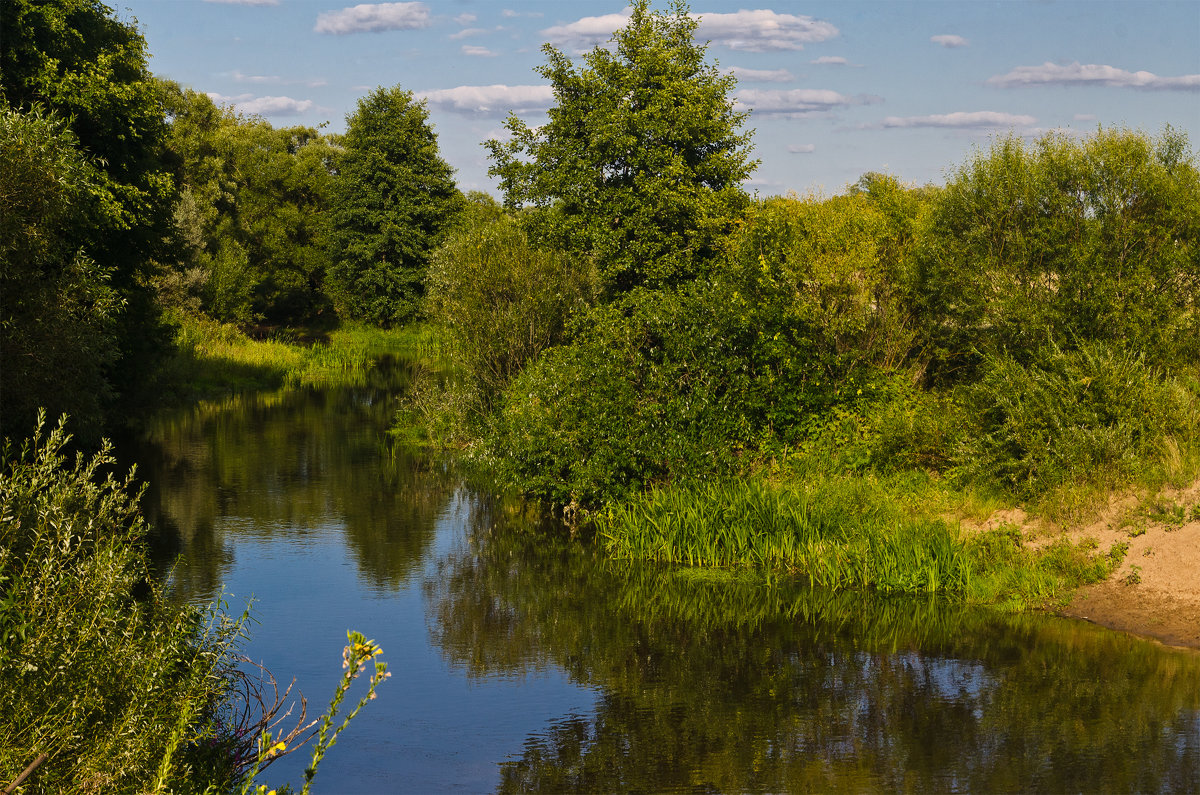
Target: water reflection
297,465
681,681
715,684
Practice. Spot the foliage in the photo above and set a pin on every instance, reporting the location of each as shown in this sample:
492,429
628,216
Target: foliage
393,201
100,671
1095,413
640,163
839,533
253,214
74,59
658,385
1064,240
58,310
123,689
649,391
501,300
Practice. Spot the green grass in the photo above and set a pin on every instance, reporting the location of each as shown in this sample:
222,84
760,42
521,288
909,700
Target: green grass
842,532
214,358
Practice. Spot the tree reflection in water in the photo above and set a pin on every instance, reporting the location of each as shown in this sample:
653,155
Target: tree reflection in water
714,683
301,464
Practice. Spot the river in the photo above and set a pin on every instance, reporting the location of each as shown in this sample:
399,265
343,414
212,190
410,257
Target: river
523,662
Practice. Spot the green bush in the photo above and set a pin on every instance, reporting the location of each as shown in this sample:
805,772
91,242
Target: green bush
1094,239
651,389
502,301
120,687
1094,414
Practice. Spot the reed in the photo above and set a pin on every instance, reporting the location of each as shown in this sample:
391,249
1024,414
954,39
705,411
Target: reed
838,533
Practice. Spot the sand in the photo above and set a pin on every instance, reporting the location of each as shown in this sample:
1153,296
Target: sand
1155,593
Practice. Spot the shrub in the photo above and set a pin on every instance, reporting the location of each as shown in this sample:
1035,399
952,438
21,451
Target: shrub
1067,240
1094,414
651,389
502,300
117,685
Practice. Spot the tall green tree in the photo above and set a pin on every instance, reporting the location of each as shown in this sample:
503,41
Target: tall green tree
642,159
1065,240
57,309
77,60
253,213
394,199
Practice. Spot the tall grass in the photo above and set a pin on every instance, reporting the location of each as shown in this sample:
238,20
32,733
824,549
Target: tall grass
106,685
213,357
838,533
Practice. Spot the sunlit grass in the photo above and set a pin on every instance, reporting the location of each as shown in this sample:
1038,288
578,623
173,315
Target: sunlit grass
843,532
213,358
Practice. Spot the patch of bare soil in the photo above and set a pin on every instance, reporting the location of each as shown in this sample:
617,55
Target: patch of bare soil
1156,590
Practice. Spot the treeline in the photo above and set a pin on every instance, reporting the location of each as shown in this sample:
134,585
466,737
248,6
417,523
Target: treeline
130,202
631,319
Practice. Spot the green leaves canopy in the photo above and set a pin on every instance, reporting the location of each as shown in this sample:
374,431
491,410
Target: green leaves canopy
394,198
642,157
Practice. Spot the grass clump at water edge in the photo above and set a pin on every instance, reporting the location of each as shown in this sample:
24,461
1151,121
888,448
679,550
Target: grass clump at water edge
842,533
106,684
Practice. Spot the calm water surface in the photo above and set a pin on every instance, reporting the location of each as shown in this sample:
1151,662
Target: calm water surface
523,663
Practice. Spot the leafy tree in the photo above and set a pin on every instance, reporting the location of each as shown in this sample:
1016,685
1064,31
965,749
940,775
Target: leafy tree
74,58
502,300
254,213
394,199
57,310
1062,241
642,158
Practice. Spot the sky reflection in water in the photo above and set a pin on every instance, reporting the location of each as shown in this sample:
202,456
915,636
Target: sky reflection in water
522,662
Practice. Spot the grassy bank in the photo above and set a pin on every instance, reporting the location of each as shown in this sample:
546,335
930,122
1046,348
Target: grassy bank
213,358
847,532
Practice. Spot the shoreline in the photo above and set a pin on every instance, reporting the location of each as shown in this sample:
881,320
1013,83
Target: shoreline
1155,592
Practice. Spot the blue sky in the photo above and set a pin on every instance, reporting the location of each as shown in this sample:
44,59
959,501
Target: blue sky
835,88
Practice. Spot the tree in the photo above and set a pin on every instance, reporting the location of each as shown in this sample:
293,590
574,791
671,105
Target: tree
394,198
57,310
76,60
642,158
1062,241
254,213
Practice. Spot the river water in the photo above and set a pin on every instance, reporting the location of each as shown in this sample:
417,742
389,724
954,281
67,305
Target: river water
522,662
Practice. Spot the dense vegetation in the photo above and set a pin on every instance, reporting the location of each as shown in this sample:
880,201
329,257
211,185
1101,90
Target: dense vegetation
811,385
1028,332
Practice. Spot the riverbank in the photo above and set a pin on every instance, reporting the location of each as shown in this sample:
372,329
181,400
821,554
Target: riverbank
1155,591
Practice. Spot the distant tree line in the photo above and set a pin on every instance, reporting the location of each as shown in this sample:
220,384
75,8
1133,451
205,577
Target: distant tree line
126,199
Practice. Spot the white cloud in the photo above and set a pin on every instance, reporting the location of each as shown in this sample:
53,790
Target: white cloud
482,52
960,119
1092,74
797,101
495,99
466,33
374,17
238,77
265,106
586,32
508,13
802,149
465,19
949,40
830,60
763,30
759,75
245,2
